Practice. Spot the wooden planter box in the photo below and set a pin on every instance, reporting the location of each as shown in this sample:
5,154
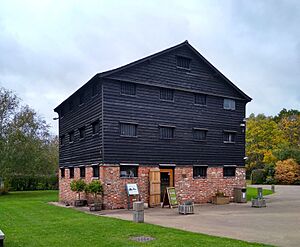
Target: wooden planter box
258,203
96,207
220,200
80,203
186,209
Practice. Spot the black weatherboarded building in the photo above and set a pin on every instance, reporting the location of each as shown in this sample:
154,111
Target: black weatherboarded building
172,111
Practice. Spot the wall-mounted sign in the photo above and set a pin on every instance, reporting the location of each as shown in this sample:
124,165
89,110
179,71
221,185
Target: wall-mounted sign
132,189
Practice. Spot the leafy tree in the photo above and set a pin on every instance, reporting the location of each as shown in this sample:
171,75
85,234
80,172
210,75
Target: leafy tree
262,137
285,113
95,187
78,186
26,146
287,171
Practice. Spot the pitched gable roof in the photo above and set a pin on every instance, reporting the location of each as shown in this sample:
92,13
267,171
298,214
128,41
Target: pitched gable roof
108,73
185,43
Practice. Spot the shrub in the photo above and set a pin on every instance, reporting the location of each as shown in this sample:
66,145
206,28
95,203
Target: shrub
95,187
24,182
270,180
78,186
287,171
258,176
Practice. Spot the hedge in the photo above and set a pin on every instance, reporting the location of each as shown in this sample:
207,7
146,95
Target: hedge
21,182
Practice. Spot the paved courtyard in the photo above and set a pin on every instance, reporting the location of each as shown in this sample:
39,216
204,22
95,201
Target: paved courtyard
278,224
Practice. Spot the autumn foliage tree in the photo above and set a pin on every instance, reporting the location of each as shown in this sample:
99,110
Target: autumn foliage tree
287,172
272,139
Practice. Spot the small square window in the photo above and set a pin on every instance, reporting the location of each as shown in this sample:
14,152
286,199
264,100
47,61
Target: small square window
183,62
95,171
199,134
62,140
96,127
229,104
128,88
82,172
167,94
62,172
128,171
81,98
71,170
200,171
200,99
166,132
94,89
229,171
229,137
128,130
82,132
71,136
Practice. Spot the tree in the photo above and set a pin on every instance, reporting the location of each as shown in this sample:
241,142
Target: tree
78,186
285,113
287,171
95,187
26,146
262,137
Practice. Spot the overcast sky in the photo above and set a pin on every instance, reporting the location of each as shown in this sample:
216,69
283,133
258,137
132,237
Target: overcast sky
48,49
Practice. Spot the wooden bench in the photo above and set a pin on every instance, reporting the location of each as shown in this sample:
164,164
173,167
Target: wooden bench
2,236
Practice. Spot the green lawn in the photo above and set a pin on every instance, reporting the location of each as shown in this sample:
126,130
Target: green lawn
28,220
252,193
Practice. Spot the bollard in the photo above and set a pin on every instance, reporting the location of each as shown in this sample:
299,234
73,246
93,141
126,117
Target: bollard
138,212
260,193
273,188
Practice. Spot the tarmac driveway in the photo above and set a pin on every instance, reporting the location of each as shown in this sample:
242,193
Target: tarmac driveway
278,224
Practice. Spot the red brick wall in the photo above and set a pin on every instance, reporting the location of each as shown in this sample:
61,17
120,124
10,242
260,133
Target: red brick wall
199,190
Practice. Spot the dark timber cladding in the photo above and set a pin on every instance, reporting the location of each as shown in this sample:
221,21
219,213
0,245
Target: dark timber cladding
166,108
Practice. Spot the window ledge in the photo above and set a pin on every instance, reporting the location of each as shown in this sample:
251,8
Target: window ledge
95,178
228,177
200,105
227,142
97,134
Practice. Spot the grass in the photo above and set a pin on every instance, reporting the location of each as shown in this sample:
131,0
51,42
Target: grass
252,193
28,220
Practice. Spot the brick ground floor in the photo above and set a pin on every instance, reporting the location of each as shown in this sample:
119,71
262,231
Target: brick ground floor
199,190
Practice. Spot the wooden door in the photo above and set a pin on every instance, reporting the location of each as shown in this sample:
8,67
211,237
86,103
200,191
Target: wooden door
154,181
166,180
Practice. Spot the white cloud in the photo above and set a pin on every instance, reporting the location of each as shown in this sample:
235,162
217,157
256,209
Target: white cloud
50,48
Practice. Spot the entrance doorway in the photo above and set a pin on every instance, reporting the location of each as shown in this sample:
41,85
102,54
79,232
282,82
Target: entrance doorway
166,180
